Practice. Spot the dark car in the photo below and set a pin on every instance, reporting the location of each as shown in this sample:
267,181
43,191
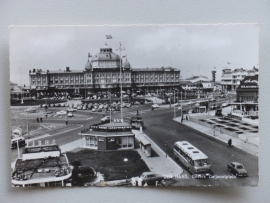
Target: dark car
152,179
82,175
237,169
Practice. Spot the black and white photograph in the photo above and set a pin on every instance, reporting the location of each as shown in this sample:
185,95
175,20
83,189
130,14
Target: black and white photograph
134,106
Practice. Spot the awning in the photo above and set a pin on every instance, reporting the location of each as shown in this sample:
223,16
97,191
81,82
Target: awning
145,141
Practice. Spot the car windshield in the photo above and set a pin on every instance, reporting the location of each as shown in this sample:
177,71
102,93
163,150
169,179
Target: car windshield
202,162
240,167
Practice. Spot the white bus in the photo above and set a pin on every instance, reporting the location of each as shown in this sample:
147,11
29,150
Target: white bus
192,158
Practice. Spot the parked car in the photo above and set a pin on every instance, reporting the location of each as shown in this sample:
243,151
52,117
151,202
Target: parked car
70,114
105,119
60,113
212,99
155,106
99,110
71,110
237,169
137,103
152,179
90,105
31,110
79,107
57,105
94,109
44,105
225,104
84,107
51,105
191,102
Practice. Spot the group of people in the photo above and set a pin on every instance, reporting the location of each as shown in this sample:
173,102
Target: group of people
138,181
39,120
184,117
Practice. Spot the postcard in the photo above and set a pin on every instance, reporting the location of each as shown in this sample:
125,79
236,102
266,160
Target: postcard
134,106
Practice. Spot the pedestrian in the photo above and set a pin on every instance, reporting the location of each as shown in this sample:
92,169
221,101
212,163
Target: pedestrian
145,184
187,117
139,181
133,181
37,120
41,120
230,142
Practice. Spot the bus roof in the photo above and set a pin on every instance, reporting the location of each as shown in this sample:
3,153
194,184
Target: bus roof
190,150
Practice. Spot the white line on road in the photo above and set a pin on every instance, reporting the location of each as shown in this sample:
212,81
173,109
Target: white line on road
48,135
45,126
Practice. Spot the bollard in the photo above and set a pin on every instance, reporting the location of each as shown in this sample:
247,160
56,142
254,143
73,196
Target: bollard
141,130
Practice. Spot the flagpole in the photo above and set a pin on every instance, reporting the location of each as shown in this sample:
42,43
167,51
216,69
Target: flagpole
120,49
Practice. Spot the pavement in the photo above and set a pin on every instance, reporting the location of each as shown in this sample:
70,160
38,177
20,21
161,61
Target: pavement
249,145
162,164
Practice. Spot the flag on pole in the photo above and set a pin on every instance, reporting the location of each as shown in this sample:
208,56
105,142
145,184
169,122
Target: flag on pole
89,55
108,37
228,63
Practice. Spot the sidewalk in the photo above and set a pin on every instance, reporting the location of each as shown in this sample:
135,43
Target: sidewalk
160,165
239,143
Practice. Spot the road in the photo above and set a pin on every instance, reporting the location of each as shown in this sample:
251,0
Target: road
161,128
219,153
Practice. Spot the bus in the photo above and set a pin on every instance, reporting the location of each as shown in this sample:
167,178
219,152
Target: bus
192,158
135,122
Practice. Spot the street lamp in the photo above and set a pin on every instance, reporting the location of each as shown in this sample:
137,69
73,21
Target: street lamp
126,160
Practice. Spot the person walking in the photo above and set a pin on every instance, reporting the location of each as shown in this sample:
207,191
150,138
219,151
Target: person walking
139,181
230,142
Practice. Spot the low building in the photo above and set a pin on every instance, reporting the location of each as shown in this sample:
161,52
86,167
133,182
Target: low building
109,136
230,79
41,166
247,96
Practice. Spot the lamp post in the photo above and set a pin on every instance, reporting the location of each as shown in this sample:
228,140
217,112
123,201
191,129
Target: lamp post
126,160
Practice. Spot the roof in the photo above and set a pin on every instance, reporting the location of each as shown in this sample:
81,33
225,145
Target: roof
185,82
191,151
108,134
195,77
145,141
155,69
41,170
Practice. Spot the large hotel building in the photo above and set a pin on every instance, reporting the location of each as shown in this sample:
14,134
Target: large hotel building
100,74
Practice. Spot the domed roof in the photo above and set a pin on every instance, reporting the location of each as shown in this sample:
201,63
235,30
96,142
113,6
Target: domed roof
127,65
105,54
88,66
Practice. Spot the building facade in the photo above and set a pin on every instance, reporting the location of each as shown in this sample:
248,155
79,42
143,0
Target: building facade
230,79
100,74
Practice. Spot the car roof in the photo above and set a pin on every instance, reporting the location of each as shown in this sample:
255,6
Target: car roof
148,173
236,163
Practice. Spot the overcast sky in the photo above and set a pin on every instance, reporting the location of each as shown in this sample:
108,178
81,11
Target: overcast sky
194,49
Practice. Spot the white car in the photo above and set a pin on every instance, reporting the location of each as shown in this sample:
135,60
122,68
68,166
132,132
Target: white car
225,104
94,109
105,119
191,102
70,114
155,106
31,110
71,110
61,113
